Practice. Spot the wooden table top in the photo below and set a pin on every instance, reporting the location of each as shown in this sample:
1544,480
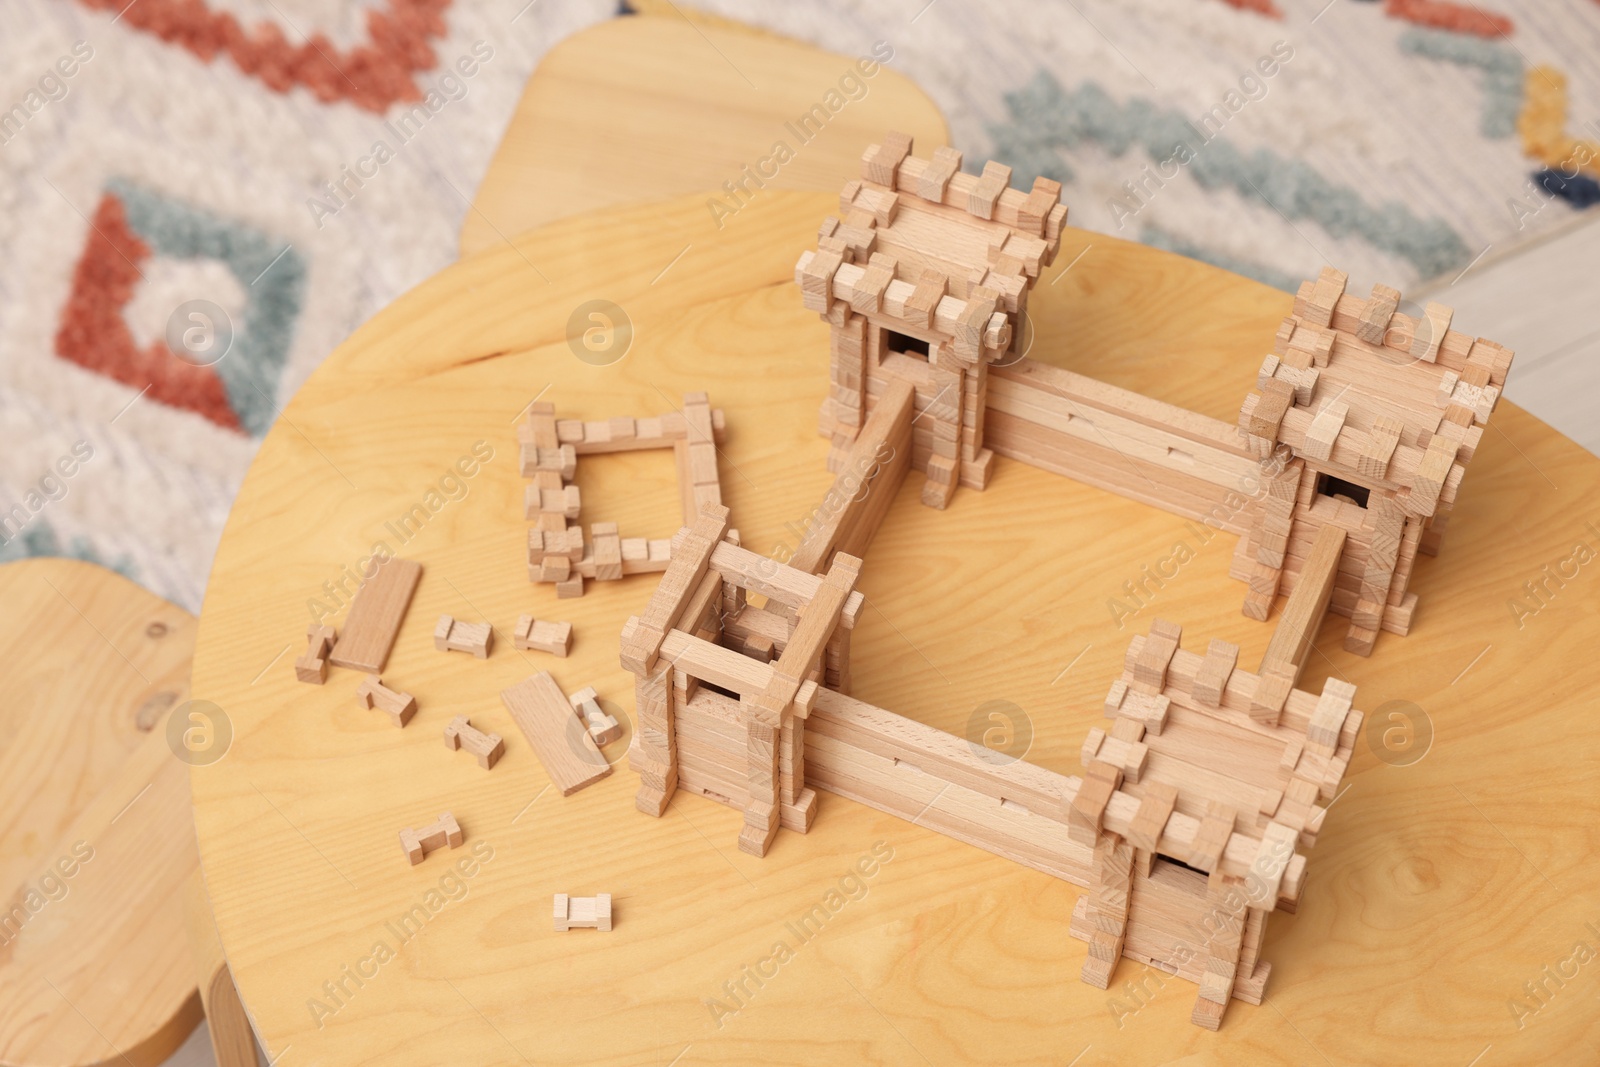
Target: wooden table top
96,844
659,105
1438,888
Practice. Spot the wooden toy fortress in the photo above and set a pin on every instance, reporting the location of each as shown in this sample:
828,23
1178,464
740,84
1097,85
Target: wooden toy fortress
1207,786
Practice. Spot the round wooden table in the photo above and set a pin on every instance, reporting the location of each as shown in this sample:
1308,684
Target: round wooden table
1438,888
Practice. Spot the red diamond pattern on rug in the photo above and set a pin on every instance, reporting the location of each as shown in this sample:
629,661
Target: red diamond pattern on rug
371,76
95,335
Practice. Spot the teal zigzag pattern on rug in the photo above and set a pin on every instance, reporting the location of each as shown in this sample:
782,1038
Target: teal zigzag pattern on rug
272,275
1501,66
1156,237
40,539
1046,118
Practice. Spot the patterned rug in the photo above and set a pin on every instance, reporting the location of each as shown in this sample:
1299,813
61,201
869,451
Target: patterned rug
200,198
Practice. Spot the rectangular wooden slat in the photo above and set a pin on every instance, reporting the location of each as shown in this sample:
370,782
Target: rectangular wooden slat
375,616
560,740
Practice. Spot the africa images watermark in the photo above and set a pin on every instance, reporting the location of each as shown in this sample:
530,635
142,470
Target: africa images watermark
737,992
52,486
851,88
51,88
403,129
1539,591
451,888
452,487
1140,592
51,887
1136,195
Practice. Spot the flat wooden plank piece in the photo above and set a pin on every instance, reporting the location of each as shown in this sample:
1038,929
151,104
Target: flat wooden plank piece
375,616
560,740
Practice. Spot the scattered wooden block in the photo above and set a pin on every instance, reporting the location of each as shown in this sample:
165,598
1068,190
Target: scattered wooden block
542,635
602,727
451,635
312,666
372,693
488,748
576,913
562,743
418,843
375,616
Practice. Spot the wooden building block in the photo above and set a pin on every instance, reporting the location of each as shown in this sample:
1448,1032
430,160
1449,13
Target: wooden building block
542,636
312,665
925,297
1379,447
372,693
488,748
1045,195
1325,429
1155,808
582,913
607,551
1333,707
452,635
880,161
996,179
936,175
562,743
1150,668
418,843
1429,332
375,616
1375,316
1267,415
602,727
1212,837
1211,681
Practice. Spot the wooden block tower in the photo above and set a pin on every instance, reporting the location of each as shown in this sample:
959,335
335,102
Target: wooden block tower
1184,743
924,278
1382,412
724,686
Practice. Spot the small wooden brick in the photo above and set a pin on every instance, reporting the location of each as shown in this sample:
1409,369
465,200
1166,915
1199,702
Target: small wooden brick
1088,806
1267,416
866,296
607,551
1211,839
542,636
1155,808
1375,316
575,913
1150,669
1429,332
451,635
937,172
1211,680
1333,707
1272,693
488,748
312,666
1379,447
996,179
880,162
925,298
418,843
602,727
1036,208
372,693
1325,429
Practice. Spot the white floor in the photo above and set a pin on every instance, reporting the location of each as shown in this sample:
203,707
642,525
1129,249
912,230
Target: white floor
1542,302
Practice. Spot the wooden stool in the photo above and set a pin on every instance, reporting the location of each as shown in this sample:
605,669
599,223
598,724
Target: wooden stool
98,868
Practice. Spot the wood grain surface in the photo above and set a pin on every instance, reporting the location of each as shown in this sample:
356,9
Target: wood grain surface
1438,888
656,105
96,844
